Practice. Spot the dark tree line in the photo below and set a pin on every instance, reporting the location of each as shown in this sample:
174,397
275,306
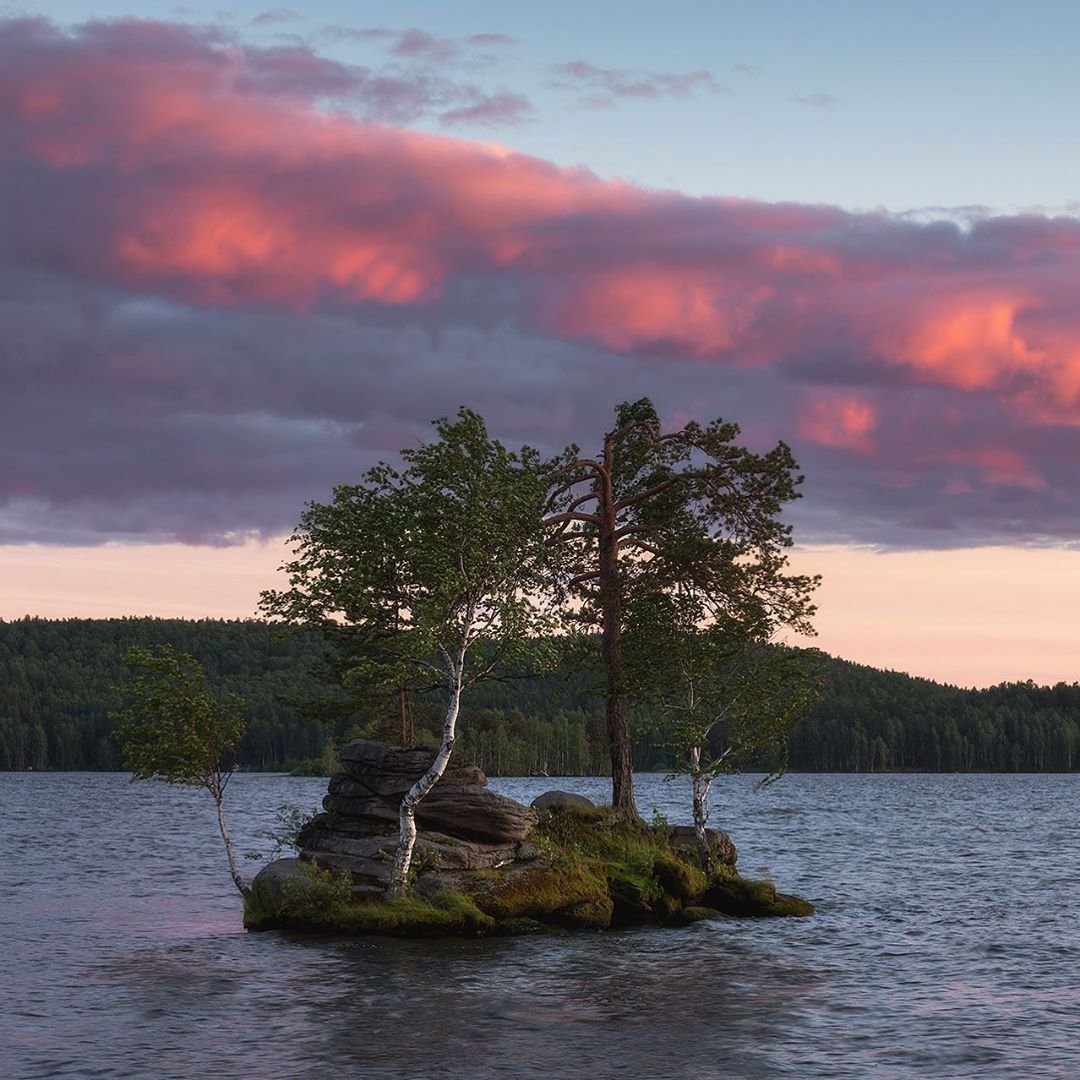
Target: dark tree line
57,680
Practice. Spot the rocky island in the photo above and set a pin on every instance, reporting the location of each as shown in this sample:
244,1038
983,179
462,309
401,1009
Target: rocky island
485,864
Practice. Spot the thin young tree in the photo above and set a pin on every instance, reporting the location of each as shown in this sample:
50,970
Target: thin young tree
174,729
718,693
439,566
686,508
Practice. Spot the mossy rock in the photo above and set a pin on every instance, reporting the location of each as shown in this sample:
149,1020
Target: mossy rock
678,878
747,898
546,893
587,870
633,896
588,915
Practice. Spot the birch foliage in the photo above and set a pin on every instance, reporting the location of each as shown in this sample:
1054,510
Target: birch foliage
175,730
438,568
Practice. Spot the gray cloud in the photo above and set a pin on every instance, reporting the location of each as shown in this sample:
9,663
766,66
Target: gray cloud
603,86
206,322
815,101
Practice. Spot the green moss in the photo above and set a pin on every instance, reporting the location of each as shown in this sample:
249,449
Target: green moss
596,872
678,878
414,916
734,895
319,900
633,897
547,892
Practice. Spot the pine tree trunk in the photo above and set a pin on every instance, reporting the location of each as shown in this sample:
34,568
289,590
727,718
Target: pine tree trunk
416,794
617,715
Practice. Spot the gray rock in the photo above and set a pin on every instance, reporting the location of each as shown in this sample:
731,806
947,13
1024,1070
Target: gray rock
379,769
468,811
723,847
273,876
462,825
562,800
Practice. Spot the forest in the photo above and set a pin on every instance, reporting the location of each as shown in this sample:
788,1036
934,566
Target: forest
59,682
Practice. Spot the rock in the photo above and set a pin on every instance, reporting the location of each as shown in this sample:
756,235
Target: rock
385,770
724,850
273,876
562,800
462,826
468,811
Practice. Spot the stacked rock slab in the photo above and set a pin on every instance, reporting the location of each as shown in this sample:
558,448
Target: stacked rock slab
461,824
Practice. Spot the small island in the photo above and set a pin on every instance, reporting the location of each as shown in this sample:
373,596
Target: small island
486,865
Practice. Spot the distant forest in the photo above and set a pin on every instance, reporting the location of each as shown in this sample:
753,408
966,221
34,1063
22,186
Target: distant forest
58,682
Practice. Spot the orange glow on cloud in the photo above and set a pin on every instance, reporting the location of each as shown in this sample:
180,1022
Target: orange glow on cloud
233,187
1007,468
846,422
965,341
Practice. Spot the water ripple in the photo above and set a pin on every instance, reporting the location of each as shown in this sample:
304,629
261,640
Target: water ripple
945,945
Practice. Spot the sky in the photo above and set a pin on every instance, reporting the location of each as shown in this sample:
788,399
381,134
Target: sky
246,253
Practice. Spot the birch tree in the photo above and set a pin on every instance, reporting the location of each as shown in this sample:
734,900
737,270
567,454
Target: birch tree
174,729
719,694
652,512
439,566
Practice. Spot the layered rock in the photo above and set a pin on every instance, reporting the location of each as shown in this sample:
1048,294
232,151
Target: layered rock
461,824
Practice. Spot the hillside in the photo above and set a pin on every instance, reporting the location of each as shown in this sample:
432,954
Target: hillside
58,679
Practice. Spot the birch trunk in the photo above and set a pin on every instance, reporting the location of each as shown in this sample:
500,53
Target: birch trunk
230,851
416,794
701,787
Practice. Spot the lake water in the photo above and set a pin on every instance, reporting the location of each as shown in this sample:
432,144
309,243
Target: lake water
946,944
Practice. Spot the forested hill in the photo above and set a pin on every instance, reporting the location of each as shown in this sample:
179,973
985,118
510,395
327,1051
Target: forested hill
57,681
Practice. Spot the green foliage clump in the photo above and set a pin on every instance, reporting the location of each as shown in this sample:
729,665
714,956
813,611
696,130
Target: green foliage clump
174,729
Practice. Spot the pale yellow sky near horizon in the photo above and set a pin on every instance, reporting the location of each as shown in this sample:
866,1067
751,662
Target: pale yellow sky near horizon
971,617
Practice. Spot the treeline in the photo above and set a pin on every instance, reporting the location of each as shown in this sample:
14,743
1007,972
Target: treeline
58,680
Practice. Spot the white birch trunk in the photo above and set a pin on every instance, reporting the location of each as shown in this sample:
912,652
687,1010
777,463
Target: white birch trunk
701,785
416,794
230,851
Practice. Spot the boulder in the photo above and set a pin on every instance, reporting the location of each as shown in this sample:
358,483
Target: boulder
461,825
562,800
723,848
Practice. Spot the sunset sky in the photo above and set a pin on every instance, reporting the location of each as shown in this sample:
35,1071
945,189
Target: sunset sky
245,254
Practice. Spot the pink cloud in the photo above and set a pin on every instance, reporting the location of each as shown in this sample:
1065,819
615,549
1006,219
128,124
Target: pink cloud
491,39
180,165
220,207
841,420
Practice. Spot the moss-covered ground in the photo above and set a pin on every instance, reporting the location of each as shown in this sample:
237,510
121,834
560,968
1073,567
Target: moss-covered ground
595,872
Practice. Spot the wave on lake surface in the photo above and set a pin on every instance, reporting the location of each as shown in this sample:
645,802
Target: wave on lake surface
946,944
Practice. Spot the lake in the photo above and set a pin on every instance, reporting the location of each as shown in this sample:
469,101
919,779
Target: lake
946,944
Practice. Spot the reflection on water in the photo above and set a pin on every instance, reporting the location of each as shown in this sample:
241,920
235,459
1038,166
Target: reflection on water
945,945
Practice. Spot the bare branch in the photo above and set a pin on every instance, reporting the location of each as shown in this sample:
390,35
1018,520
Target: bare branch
581,578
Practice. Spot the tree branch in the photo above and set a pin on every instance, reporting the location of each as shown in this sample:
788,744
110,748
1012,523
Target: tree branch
649,493
588,519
